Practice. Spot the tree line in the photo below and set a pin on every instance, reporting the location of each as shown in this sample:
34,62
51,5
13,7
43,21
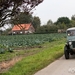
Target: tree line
60,25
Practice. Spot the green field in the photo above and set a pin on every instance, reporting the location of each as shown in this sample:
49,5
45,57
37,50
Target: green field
48,48
29,40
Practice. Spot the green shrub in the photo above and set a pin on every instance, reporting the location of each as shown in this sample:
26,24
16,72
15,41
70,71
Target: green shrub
10,49
2,50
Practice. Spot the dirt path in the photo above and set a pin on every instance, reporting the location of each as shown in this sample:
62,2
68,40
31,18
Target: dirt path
4,66
59,67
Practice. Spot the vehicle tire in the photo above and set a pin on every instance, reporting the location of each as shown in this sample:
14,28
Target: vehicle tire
66,53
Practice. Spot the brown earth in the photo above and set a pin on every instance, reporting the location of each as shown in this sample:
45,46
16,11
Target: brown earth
5,65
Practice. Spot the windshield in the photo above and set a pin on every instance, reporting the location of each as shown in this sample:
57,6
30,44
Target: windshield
71,32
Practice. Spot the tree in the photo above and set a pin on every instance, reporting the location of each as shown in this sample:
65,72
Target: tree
10,8
72,24
61,20
22,19
49,22
73,17
62,26
47,29
36,22
53,29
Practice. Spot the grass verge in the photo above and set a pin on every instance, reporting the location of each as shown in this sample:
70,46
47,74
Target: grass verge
33,63
25,52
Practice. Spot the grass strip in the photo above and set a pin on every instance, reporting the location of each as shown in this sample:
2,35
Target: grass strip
9,56
33,63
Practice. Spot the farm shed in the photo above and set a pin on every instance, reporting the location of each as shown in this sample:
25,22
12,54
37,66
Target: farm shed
23,29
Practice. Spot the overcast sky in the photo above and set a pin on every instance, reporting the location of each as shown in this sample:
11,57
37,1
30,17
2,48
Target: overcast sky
53,9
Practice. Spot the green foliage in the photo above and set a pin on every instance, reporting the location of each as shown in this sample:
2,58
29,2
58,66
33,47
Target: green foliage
72,24
49,22
27,40
64,20
36,22
22,18
4,48
62,23
28,66
12,8
10,49
47,29
62,26
73,17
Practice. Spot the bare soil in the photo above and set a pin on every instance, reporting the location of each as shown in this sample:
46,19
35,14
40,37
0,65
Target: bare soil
5,65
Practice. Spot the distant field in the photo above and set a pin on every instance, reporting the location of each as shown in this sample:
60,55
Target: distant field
10,42
29,40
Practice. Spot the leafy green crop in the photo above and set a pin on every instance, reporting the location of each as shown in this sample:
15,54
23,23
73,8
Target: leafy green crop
8,42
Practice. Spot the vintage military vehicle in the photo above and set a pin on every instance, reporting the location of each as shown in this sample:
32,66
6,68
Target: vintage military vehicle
69,48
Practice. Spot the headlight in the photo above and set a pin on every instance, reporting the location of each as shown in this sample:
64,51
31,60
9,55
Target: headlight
70,43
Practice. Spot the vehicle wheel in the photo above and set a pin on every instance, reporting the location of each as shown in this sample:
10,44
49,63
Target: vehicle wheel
66,52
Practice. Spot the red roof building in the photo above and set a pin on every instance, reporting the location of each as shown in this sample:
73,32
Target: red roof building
23,29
